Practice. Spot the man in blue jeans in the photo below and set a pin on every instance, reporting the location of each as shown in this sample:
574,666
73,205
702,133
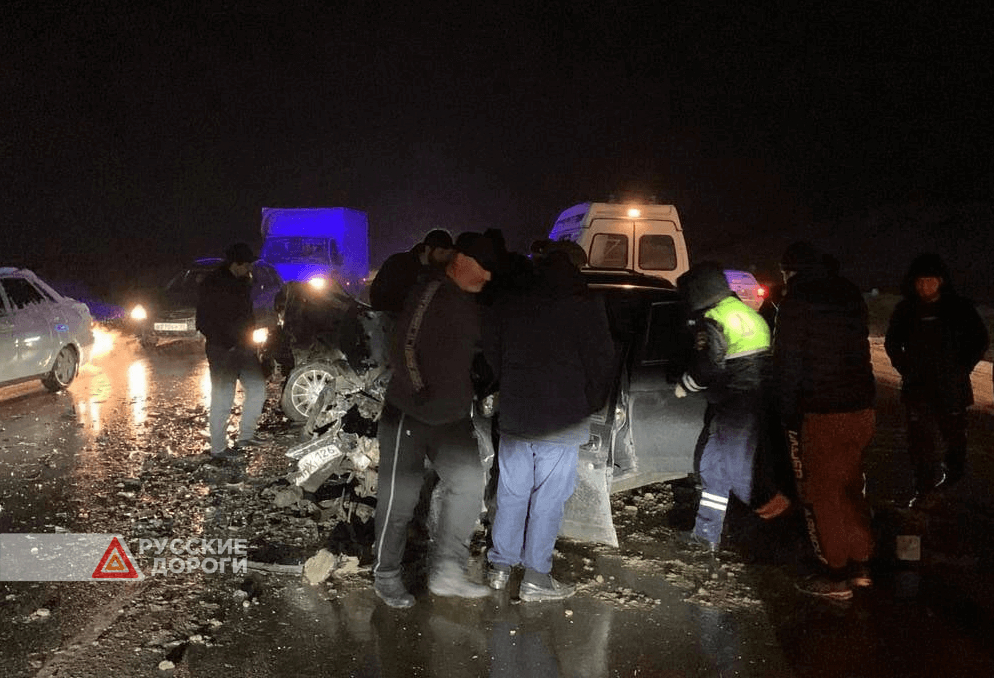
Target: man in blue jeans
550,347
226,319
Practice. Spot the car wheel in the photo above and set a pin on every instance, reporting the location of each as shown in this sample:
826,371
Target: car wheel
303,387
64,370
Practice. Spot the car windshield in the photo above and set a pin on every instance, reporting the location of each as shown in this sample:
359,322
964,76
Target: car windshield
184,286
291,250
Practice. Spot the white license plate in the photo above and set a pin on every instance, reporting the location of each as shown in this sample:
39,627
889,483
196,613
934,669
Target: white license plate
171,327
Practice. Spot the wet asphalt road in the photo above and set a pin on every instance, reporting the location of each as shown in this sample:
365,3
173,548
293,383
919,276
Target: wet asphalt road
63,456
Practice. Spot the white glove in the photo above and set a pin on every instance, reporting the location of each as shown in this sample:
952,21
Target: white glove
679,391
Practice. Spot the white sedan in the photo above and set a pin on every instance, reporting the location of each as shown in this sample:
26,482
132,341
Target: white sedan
43,335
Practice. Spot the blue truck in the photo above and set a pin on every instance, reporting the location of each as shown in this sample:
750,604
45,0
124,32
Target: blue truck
307,242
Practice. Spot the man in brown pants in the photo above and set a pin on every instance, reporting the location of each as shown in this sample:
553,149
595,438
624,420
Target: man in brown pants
825,388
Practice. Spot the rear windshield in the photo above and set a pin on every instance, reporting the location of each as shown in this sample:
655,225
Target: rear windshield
608,250
657,253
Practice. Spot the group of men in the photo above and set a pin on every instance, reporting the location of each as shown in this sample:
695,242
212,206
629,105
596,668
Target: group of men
814,377
546,341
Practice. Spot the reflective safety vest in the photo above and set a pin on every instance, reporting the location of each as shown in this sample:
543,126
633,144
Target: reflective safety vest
745,330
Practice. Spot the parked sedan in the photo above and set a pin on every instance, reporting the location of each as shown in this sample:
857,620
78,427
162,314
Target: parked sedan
171,313
43,335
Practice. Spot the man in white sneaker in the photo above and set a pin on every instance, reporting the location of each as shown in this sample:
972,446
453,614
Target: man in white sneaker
226,319
550,346
427,415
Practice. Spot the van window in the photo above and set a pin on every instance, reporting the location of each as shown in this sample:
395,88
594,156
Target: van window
657,253
608,250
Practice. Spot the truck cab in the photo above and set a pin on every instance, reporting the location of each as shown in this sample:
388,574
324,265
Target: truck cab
640,237
307,242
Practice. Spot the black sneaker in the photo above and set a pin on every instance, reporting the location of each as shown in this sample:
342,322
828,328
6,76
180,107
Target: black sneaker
697,542
556,590
391,591
824,587
257,440
227,454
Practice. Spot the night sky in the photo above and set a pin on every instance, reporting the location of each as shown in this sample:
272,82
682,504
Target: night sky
135,139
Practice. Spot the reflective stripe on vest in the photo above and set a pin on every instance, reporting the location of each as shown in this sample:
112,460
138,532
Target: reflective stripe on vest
745,330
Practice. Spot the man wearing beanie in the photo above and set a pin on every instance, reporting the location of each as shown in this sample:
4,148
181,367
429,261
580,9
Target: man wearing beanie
731,350
934,340
427,416
825,389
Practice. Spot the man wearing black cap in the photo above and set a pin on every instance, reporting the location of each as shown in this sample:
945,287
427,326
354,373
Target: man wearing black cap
427,415
401,271
825,389
934,340
225,317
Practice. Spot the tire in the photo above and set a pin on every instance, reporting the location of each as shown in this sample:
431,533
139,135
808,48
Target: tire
303,387
63,371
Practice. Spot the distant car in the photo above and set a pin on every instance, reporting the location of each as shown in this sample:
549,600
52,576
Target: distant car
171,313
43,334
744,284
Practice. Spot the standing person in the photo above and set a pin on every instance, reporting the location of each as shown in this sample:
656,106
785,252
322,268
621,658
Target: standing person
934,340
402,271
731,349
225,318
552,353
427,415
825,391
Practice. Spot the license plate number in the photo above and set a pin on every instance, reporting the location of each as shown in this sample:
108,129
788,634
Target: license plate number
171,327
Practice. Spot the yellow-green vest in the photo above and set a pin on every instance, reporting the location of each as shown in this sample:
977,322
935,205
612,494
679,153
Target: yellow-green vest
745,330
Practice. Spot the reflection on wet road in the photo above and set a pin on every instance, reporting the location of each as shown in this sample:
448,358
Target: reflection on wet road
121,452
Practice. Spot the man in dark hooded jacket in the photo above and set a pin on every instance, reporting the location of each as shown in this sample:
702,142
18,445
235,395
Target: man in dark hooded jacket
551,349
934,340
825,389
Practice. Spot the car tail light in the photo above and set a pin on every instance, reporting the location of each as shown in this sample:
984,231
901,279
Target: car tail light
761,291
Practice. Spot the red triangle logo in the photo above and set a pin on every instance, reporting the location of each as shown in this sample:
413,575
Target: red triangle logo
115,564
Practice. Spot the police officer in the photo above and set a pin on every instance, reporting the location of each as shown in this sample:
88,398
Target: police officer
731,350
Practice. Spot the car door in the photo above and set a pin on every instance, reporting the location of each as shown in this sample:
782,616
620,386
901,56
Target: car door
663,429
33,338
8,340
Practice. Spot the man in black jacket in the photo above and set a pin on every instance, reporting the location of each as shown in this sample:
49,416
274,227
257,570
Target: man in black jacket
551,349
225,317
400,272
427,415
825,389
934,340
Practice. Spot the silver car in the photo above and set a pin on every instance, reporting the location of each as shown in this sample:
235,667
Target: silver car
43,335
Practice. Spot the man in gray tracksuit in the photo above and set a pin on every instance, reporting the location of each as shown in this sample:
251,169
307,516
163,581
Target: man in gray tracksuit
427,415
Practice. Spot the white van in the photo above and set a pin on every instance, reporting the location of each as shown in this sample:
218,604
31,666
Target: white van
646,238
